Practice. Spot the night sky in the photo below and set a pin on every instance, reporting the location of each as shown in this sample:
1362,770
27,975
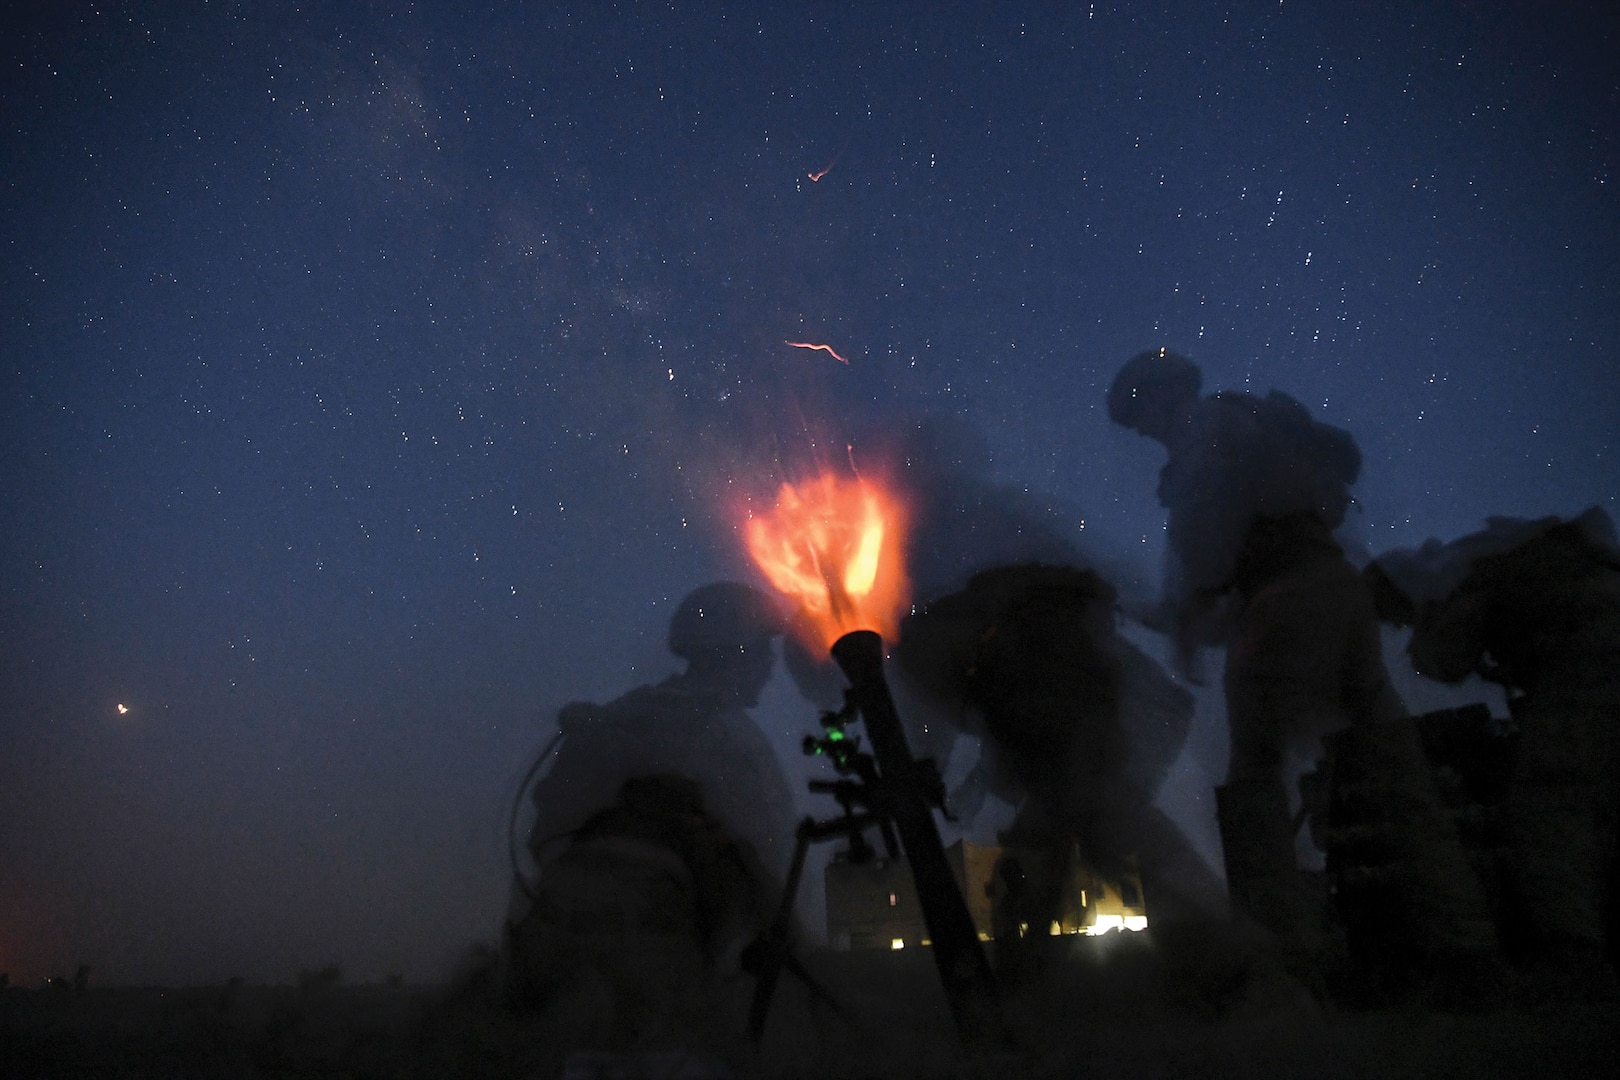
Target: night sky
375,381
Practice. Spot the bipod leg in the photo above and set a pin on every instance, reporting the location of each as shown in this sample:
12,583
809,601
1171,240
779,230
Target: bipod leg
818,993
765,958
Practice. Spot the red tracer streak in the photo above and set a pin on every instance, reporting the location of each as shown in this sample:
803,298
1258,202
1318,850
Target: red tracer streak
824,348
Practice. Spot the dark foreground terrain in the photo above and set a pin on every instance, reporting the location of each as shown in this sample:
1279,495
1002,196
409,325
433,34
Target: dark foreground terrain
1107,1009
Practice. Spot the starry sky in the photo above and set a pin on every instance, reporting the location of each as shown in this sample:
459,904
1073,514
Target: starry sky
374,379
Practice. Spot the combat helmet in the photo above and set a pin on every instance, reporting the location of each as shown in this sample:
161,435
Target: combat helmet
1152,385
722,617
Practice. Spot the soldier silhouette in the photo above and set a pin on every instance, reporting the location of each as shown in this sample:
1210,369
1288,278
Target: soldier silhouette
653,833
1254,488
1077,729
695,724
1534,606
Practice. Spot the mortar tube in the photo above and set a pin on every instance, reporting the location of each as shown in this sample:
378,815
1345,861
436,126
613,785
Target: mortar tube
963,969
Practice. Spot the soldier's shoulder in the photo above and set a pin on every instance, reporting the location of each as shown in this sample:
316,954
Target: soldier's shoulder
643,705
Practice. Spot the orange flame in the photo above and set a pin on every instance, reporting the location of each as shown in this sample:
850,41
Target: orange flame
834,546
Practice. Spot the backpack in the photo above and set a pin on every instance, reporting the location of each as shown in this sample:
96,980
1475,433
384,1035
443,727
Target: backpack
1297,463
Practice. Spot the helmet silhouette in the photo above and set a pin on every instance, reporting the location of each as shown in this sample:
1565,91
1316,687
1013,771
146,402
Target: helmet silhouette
1152,385
722,617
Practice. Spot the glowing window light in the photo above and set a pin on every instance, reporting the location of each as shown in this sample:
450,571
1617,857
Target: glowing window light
1055,929
897,943
1105,923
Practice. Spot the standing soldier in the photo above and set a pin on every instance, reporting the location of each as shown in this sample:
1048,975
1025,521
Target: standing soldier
1254,488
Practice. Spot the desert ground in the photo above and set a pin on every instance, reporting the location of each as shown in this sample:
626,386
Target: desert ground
1107,1007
